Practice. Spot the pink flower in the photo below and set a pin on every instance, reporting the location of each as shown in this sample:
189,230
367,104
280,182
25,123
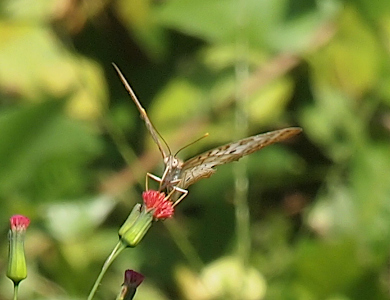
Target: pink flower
19,222
163,208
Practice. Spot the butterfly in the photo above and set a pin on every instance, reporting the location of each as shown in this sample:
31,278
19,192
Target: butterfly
179,175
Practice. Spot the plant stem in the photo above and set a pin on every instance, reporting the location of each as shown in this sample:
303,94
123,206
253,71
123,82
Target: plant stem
185,246
115,252
241,127
16,290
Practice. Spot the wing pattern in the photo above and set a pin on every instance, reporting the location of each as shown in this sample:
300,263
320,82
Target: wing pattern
202,166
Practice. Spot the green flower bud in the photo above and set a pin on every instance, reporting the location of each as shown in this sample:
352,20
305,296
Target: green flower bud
156,207
135,233
17,269
131,219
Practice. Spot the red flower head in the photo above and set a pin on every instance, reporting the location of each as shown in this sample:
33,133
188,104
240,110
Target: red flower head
163,208
19,222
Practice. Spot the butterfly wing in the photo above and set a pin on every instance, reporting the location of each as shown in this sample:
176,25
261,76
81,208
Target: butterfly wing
202,166
144,116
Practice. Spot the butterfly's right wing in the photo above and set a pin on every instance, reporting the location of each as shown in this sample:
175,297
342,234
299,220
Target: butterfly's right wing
190,176
144,116
203,166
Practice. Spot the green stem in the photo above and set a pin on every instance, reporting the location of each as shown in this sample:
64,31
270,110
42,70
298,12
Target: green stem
119,140
242,212
125,294
186,248
117,250
16,289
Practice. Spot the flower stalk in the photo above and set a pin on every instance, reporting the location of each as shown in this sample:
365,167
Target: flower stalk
114,254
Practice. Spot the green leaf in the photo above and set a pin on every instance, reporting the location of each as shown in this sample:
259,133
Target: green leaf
39,141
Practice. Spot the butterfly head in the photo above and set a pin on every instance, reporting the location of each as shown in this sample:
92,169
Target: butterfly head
172,170
172,163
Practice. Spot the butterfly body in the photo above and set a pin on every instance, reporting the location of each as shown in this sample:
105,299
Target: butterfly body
171,175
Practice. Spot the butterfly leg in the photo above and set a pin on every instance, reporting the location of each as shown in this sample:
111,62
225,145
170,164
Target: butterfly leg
163,178
174,190
180,190
152,176
183,192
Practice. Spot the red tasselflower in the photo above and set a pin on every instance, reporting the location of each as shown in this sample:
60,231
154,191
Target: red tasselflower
19,222
157,201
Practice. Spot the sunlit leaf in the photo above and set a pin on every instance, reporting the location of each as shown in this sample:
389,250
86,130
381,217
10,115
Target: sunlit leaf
33,64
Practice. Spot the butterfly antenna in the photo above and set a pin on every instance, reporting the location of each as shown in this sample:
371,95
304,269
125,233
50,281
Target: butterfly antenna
149,125
197,140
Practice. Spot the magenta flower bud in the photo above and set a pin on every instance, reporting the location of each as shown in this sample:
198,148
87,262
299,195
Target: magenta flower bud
17,270
132,280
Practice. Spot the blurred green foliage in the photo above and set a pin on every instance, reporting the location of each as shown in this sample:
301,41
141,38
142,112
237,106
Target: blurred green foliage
74,152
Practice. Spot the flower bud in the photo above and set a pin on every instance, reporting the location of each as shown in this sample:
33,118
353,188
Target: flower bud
156,207
17,270
132,280
131,219
133,235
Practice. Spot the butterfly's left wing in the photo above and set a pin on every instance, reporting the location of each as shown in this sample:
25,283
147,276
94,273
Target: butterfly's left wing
202,166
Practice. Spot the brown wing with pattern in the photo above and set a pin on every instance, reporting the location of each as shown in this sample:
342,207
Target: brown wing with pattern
202,166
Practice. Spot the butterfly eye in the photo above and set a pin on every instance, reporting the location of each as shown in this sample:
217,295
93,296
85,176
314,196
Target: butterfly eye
175,162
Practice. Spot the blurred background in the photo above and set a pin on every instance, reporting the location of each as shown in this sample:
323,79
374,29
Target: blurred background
308,218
